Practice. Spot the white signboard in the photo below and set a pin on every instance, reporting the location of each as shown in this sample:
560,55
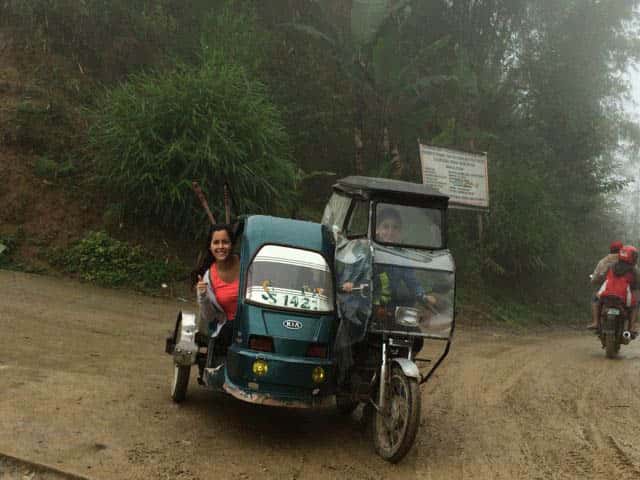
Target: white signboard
462,176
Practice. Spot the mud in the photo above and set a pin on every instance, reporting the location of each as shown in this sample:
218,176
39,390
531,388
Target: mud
85,390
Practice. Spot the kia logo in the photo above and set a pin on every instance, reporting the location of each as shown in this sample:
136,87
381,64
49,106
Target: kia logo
292,324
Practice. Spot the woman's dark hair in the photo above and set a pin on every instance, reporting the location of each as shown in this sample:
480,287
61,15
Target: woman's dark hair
205,257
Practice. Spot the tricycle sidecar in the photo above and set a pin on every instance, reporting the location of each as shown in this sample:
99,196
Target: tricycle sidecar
281,348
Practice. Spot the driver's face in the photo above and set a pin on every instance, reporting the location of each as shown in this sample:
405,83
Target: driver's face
389,230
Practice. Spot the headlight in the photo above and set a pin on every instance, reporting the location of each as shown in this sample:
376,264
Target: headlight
318,375
260,368
407,316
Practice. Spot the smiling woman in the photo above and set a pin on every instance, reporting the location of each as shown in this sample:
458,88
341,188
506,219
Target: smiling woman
216,278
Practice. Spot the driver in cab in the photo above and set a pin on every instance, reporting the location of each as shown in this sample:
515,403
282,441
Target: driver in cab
389,278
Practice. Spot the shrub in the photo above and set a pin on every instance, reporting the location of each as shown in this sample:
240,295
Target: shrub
46,167
106,261
157,133
7,247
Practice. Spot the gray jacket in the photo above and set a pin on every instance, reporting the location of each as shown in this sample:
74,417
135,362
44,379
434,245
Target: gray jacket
212,316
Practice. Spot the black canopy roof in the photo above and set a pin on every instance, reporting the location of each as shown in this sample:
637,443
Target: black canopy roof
386,187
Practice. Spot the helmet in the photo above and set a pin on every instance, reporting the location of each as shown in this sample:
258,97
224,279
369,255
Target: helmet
628,254
615,246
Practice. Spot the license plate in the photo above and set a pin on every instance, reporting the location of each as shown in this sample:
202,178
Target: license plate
613,311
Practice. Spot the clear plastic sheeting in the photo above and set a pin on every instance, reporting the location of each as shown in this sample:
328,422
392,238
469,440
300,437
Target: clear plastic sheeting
335,212
412,302
353,265
404,225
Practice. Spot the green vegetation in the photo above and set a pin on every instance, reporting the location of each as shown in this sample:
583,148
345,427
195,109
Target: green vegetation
7,247
46,167
106,261
257,93
158,132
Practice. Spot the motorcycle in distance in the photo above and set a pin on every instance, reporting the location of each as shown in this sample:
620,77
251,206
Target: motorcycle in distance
395,289
614,322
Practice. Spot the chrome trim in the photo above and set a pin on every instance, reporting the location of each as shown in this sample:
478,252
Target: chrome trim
267,399
186,350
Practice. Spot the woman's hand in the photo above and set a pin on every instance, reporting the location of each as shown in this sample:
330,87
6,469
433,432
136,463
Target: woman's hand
201,286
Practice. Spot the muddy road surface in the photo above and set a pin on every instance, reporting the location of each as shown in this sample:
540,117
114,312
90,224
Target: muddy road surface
84,393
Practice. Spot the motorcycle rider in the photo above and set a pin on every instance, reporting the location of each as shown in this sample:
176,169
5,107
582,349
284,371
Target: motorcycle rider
622,281
598,277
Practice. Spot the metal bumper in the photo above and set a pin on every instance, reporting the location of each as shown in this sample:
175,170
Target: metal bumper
272,401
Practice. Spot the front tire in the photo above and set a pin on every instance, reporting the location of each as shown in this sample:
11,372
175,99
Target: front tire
394,430
180,382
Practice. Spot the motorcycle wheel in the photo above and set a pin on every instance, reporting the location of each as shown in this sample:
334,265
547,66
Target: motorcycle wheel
394,430
611,345
180,382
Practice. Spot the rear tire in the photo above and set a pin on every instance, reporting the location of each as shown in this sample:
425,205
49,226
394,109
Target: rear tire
180,382
394,431
611,345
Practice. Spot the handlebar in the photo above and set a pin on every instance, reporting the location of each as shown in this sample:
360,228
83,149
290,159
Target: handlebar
363,289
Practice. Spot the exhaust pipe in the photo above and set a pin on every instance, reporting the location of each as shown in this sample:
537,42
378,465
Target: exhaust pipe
626,337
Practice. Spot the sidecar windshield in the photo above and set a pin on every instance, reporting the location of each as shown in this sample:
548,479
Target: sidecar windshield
290,278
408,226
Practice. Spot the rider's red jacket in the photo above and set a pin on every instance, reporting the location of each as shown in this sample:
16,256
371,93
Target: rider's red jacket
619,286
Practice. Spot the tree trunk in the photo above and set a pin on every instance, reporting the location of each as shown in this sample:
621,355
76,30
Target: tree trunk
359,160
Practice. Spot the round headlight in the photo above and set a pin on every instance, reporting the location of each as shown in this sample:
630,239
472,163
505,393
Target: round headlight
260,368
318,375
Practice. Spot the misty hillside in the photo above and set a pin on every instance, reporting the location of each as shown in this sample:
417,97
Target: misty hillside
108,111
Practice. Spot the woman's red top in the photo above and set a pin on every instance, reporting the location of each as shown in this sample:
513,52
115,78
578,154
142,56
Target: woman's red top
226,293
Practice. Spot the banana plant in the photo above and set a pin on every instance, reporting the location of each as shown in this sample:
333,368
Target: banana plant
365,50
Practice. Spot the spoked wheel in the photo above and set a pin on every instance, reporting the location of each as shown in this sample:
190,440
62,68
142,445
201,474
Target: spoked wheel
394,430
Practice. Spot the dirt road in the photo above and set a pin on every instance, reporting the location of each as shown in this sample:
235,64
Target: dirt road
84,388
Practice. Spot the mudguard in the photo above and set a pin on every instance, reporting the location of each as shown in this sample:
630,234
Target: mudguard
409,368
186,349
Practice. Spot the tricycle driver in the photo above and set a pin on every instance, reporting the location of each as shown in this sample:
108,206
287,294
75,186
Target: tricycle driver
389,278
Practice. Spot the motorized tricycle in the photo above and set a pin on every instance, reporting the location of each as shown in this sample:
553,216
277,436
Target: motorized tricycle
357,309
395,283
